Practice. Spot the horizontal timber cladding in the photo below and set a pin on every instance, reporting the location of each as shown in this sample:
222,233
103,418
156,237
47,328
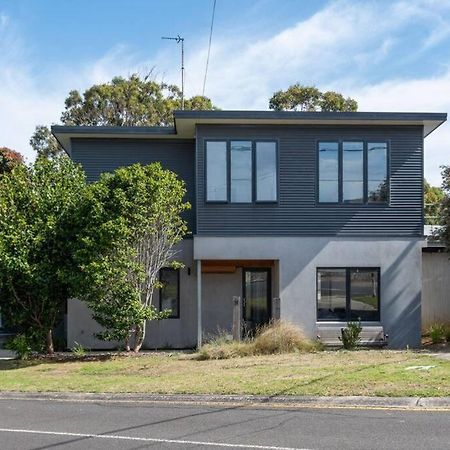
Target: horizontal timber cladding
105,155
297,212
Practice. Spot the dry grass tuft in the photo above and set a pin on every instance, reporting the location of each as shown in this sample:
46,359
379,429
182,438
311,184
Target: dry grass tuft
274,338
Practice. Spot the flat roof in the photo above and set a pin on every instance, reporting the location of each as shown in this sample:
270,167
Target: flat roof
186,121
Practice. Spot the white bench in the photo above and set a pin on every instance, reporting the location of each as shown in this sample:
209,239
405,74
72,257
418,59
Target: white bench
371,335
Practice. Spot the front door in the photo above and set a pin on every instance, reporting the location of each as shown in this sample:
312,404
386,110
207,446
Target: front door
256,299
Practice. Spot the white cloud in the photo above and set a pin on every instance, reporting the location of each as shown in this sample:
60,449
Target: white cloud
337,48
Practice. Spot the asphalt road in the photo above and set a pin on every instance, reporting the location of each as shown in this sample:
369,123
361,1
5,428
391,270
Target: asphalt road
49,424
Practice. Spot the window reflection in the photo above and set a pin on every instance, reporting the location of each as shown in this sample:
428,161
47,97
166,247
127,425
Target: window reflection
216,171
241,171
364,294
328,172
353,172
169,293
377,172
331,294
266,171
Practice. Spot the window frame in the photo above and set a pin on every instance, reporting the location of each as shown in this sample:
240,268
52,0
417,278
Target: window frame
348,270
365,202
177,316
253,141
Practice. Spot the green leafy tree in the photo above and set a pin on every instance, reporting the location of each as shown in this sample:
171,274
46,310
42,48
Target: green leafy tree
38,217
444,232
309,98
9,159
433,197
132,101
134,222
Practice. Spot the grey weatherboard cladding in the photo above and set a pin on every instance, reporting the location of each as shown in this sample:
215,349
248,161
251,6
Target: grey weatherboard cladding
105,155
297,212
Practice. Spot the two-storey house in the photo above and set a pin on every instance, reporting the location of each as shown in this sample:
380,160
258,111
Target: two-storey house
313,217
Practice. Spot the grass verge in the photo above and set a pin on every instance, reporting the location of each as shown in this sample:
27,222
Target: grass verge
363,372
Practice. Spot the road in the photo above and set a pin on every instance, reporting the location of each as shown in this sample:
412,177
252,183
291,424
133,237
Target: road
50,424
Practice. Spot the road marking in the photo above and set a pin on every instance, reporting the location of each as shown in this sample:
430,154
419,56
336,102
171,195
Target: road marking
147,439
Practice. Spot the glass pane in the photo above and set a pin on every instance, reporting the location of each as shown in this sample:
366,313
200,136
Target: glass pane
353,172
377,172
266,171
256,301
331,294
216,171
364,294
328,171
169,291
241,171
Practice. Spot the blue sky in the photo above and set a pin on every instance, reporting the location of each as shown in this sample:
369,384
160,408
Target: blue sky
389,55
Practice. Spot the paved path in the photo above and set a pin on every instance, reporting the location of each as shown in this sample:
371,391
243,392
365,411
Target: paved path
49,424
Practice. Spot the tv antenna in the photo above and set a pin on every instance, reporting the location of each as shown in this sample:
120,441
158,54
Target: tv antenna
178,39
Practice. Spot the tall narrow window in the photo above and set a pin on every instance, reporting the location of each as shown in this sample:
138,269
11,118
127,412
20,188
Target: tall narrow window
353,172
364,294
241,171
216,171
377,172
266,172
331,294
169,293
328,172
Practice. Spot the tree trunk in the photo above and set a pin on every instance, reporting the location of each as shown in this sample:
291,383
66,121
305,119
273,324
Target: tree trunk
139,337
49,343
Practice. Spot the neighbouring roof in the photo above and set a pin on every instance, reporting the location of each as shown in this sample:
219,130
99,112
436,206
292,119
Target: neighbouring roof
186,121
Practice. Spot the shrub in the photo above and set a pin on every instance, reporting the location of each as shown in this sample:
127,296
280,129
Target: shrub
78,350
351,335
21,345
437,333
274,338
281,337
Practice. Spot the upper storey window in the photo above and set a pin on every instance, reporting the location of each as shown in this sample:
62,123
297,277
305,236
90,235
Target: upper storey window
353,172
241,171
216,167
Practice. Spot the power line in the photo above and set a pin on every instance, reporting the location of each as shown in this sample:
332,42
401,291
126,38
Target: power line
209,47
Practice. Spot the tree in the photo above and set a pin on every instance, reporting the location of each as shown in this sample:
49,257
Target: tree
129,101
309,98
9,159
433,197
444,232
38,209
134,223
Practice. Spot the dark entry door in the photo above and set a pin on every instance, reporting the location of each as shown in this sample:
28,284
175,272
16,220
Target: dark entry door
257,298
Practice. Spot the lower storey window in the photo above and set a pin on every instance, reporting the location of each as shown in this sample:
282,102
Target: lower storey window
345,294
169,293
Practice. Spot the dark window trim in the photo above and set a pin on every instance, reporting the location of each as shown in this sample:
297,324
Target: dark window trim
340,201
348,295
177,316
228,141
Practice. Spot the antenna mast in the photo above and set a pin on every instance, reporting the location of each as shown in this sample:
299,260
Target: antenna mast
179,39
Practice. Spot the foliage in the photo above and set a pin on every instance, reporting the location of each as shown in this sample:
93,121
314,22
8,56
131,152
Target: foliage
134,222
132,101
21,345
9,159
444,232
433,197
38,217
437,333
274,338
350,336
78,349
309,98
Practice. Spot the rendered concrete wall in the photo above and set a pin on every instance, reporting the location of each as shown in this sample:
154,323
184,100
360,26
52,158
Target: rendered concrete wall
400,268
168,333
436,289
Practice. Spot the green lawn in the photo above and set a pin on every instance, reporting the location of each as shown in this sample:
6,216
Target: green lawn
364,372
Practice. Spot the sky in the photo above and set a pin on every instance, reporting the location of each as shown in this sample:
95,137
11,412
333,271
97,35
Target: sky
391,55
